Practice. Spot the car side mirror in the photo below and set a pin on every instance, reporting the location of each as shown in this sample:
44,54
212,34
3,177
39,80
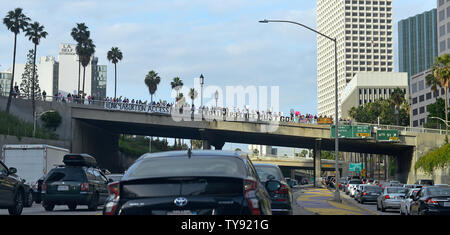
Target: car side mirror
273,185
12,170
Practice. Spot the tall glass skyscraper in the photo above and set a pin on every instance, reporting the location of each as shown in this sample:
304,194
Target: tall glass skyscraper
417,42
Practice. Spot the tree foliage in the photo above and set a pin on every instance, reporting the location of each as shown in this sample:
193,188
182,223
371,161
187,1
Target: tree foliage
26,86
383,109
52,120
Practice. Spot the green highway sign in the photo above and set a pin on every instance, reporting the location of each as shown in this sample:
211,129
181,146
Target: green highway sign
387,135
352,132
362,131
344,131
356,167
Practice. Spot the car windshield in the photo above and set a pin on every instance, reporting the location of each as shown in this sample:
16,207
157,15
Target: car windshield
439,191
396,190
265,171
184,166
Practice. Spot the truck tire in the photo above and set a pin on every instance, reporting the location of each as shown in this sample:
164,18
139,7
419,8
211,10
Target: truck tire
29,200
72,206
18,204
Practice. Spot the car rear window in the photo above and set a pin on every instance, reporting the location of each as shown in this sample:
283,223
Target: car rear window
66,174
396,190
184,166
439,191
372,189
265,171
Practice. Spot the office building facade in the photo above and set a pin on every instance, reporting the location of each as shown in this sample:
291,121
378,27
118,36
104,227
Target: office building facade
364,33
367,87
417,42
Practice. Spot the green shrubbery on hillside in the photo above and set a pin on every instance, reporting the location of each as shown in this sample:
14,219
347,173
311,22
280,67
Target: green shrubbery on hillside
12,125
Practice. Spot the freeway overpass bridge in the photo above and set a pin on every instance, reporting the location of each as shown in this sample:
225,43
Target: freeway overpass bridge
95,129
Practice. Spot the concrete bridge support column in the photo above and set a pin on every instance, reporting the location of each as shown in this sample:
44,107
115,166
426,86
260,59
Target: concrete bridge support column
97,142
317,163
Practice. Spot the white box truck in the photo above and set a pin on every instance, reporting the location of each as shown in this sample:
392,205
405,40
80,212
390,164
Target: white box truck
32,161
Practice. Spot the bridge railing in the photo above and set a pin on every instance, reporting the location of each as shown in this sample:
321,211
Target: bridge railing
214,113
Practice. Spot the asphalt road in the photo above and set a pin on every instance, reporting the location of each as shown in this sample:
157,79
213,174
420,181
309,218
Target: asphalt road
37,209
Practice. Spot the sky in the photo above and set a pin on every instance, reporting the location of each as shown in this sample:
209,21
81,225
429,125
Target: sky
220,39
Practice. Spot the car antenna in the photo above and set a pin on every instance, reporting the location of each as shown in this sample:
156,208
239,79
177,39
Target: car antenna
189,153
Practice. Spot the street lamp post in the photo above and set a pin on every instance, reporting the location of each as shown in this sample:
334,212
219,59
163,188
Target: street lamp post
202,81
336,117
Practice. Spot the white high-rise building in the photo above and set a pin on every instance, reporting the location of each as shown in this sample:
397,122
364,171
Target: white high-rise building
69,69
364,33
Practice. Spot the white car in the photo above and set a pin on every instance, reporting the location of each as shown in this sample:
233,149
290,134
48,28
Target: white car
351,184
353,190
405,204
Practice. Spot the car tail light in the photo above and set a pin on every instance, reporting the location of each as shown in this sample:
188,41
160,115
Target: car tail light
387,197
44,188
111,206
113,188
250,195
430,201
84,187
284,192
364,193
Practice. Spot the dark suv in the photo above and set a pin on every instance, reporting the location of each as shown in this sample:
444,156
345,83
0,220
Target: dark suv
78,182
12,190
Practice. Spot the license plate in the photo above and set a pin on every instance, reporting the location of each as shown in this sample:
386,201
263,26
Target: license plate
185,212
63,188
447,204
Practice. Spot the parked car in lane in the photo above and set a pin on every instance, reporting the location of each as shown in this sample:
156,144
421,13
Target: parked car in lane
367,193
192,182
78,182
281,199
431,200
12,190
405,204
391,198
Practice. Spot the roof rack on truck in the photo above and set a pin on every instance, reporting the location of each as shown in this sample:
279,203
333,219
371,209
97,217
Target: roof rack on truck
79,160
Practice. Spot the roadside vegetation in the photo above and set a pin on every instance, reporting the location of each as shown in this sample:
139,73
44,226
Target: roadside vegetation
437,159
136,146
12,125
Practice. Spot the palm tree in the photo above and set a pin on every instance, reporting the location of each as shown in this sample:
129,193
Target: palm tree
441,71
177,84
115,55
80,34
15,21
34,33
85,50
398,99
193,94
152,81
433,83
